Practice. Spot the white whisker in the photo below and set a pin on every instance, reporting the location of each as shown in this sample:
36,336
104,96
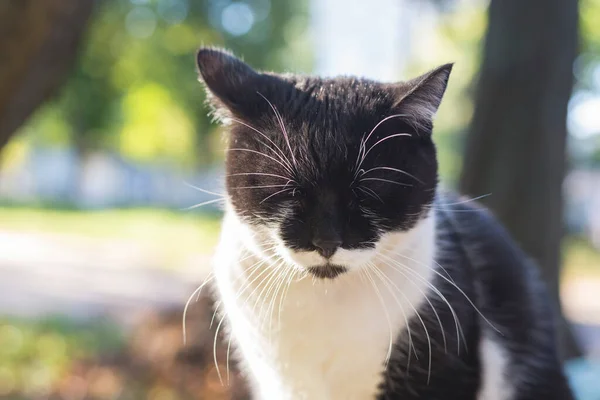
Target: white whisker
271,280
281,124
411,345
280,154
370,192
461,292
259,187
271,271
426,299
227,359
407,269
187,303
381,276
383,140
364,142
275,194
285,292
384,180
263,174
215,349
279,285
203,204
212,320
203,190
433,206
264,155
381,122
387,316
272,285
392,169
467,200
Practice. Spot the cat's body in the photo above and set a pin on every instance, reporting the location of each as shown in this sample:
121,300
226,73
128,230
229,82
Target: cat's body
330,344
342,274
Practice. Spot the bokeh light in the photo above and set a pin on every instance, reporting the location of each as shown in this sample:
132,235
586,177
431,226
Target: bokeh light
173,11
141,22
237,18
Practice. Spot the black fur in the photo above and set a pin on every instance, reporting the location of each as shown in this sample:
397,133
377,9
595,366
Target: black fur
326,119
303,176
480,258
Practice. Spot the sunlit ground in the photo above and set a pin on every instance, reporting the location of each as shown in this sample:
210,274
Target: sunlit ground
168,239
92,303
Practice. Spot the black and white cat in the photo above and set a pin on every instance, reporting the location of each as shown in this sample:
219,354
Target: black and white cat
343,271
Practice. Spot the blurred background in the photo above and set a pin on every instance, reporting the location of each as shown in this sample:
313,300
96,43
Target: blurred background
104,133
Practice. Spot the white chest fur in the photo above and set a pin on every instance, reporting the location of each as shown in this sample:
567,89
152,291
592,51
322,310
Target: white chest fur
325,340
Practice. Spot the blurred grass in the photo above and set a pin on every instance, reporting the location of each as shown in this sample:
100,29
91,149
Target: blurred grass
170,236
131,223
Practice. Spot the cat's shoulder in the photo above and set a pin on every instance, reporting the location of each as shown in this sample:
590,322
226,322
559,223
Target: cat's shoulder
510,293
507,281
476,230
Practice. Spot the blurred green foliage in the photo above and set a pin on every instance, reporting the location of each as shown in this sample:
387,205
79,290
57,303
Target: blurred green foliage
456,35
134,88
590,32
35,356
581,258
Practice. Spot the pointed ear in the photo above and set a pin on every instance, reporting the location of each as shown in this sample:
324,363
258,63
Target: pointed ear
420,97
229,81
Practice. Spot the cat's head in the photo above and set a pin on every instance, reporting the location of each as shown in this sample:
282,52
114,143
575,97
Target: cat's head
321,170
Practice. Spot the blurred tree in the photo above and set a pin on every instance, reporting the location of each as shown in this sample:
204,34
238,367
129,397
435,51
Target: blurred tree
38,43
135,89
516,146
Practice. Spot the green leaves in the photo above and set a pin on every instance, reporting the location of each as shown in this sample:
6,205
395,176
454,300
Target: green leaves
134,89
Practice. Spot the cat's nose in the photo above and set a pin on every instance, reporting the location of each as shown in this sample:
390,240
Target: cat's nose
327,248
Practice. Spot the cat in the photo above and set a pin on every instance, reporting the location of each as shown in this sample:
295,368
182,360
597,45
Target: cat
343,270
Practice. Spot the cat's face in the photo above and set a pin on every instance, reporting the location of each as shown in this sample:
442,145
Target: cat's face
323,170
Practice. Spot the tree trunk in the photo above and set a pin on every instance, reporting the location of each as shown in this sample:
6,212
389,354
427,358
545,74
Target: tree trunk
517,142
38,44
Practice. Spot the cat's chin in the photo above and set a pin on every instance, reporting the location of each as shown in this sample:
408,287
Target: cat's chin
327,271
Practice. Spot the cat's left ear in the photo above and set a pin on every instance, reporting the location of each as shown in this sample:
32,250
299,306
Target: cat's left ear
231,84
420,97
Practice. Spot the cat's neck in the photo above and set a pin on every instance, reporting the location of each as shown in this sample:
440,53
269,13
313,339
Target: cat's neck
282,323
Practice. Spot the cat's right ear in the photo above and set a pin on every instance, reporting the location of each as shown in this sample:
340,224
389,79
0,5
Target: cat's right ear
229,81
420,97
